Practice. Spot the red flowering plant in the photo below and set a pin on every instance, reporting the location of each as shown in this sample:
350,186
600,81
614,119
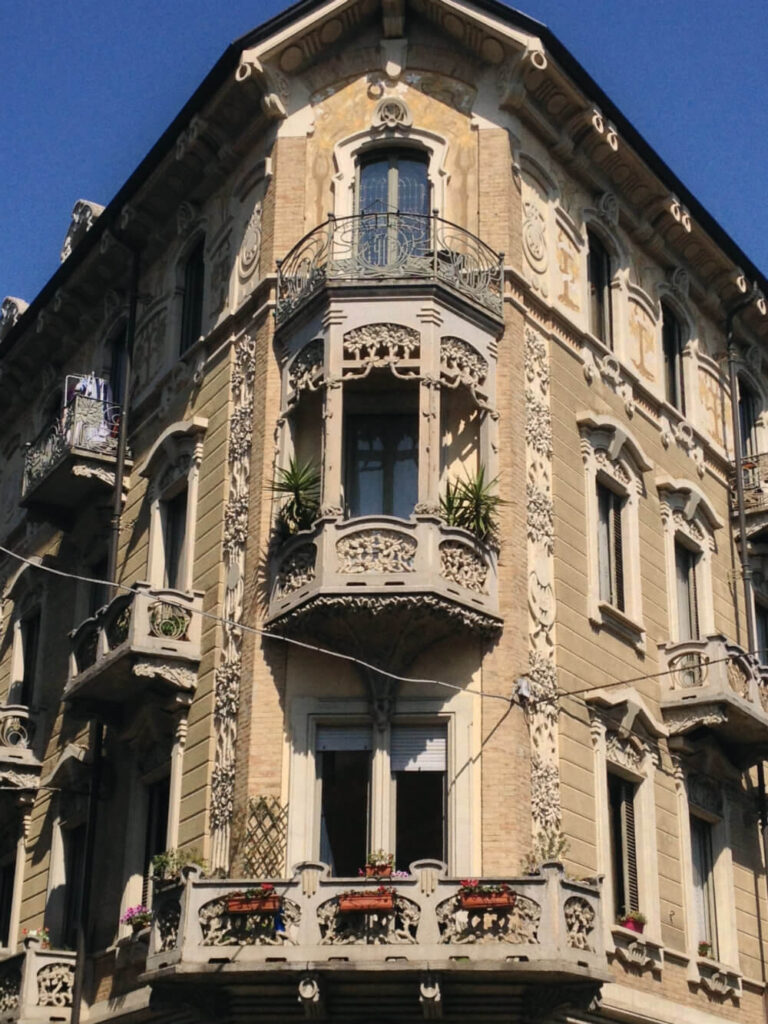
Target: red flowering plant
38,933
474,887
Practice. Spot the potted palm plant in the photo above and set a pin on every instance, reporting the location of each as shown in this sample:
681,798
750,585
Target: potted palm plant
473,505
298,485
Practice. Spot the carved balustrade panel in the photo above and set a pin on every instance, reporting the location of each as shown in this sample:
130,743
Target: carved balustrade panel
378,550
169,621
580,922
296,569
393,926
16,727
462,565
515,924
10,987
54,984
222,927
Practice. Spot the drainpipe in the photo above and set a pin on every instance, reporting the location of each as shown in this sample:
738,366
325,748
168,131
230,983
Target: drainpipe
122,436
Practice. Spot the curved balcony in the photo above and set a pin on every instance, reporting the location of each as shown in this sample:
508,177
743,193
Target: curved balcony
386,249
714,684
73,456
420,579
421,951
141,643
19,766
754,477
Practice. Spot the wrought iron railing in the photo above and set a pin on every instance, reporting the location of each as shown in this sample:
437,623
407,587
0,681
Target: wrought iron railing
393,247
88,424
754,478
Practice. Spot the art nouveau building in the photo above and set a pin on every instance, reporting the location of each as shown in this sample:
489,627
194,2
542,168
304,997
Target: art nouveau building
408,251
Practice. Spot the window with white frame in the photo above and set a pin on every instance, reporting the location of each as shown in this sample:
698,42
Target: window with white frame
689,524
173,468
614,466
702,866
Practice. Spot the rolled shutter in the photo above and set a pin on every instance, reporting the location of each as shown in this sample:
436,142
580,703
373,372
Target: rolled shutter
418,748
343,737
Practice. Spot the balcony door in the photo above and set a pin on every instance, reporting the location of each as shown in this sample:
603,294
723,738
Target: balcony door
394,201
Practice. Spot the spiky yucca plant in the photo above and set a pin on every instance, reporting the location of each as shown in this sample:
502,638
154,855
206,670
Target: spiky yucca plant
299,484
473,505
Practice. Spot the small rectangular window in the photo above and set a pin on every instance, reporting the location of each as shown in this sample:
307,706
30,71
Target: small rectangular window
418,766
621,799
610,547
174,513
687,594
704,883
599,277
344,768
30,638
7,877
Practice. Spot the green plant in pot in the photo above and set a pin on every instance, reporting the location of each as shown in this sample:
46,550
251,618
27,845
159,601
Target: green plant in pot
298,484
633,920
473,505
171,863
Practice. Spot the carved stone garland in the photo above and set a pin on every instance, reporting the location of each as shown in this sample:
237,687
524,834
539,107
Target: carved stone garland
227,679
545,776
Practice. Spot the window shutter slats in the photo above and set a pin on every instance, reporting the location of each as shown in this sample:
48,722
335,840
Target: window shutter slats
343,737
618,553
694,601
421,749
630,848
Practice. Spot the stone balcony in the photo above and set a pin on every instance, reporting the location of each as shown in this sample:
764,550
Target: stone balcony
385,250
72,458
754,477
420,957
143,643
419,577
19,766
36,985
714,684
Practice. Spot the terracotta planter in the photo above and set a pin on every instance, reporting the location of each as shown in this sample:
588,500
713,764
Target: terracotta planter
253,904
378,870
487,901
633,926
366,902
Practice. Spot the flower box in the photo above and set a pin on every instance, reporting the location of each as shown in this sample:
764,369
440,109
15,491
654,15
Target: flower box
253,904
365,902
632,925
378,870
487,901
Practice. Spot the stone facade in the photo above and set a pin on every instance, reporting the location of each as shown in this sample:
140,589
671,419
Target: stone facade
506,302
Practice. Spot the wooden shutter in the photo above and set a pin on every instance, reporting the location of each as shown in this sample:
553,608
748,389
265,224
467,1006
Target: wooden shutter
631,896
694,598
618,554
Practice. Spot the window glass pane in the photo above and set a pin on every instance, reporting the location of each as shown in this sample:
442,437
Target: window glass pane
345,780
703,882
687,624
192,303
761,619
420,818
382,464
748,413
30,632
7,874
599,276
175,528
412,186
374,186
604,503
74,857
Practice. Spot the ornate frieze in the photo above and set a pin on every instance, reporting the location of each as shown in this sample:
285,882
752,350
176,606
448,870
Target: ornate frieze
306,370
250,250
464,566
381,345
376,551
228,674
542,717
622,751
167,919
391,112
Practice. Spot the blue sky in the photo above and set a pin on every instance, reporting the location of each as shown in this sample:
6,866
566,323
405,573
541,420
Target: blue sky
87,86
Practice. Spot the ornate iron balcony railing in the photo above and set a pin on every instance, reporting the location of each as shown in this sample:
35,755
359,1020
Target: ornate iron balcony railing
390,247
754,476
85,424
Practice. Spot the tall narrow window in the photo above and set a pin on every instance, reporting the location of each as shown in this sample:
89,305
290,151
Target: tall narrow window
74,859
687,597
382,464
599,274
418,766
672,347
610,555
30,640
703,883
155,838
192,302
761,622
394,202
749,410
621,800
117,364
344,768
98,591
174,514
7,877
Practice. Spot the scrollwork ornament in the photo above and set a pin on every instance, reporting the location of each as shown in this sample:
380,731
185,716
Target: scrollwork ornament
534,237
54,984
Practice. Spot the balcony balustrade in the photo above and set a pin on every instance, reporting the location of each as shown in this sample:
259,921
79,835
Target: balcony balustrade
36,985
754,478
714,684
420,947
19,767
416,574
374,249
73,455
146,639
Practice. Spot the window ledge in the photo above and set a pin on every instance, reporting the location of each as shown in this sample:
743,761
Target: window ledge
717,978
606,616
637,950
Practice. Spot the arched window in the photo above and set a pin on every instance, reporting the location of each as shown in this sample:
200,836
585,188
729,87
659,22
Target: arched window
192,301
672,349
599,273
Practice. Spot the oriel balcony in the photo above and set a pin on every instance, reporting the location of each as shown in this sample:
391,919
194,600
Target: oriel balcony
73,456
19,767
385,250
754,478
420,578
421,948
144,643
36,985
713,684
